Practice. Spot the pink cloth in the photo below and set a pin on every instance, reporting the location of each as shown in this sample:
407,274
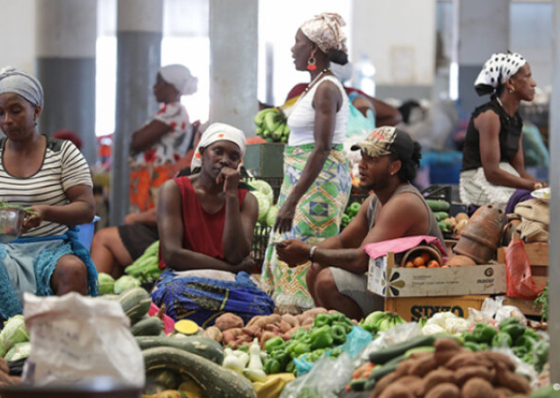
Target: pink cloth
379,249
168,323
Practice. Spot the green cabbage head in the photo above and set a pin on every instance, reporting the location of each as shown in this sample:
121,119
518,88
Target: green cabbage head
106,283
264,205
14,332
264,187
125,282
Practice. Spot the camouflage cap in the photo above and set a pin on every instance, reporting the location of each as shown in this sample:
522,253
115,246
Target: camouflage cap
386,140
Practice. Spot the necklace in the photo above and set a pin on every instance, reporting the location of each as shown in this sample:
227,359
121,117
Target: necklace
315,80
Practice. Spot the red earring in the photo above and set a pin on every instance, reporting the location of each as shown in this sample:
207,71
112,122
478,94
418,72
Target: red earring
311,63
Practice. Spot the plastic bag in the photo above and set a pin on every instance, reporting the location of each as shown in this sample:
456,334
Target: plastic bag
76,338
518,272
494,310
325,380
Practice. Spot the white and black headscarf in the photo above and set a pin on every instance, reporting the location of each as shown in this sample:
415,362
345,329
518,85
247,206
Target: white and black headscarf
497,70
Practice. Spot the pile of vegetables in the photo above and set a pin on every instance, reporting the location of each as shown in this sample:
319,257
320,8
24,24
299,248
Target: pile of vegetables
265,198
381,321
108,285
272,125
351,212
447,224
146,267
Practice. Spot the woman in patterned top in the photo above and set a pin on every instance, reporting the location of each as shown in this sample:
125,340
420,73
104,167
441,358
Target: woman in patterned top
52,178
165,139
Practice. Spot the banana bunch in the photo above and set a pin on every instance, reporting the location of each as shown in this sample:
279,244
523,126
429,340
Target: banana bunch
381,321
272,125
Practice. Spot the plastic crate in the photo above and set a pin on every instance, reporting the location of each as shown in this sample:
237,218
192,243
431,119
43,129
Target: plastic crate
260,243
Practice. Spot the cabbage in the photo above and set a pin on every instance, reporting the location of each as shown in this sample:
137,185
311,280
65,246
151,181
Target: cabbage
264,205
264,187
18,351
125,282
271,216
106,283
14,332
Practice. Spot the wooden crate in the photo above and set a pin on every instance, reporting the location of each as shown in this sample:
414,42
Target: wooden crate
413,308
527,307
537,253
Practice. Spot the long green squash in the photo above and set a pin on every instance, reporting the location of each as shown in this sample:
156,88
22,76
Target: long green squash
198,345
135,302
150,326
213,379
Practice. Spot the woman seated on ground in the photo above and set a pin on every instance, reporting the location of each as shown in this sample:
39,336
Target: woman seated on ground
206,224
52,179
493,162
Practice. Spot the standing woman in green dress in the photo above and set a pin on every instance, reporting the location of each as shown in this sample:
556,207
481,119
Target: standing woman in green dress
317,180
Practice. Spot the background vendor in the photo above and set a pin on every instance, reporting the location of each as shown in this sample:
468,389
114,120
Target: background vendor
337,276
493,161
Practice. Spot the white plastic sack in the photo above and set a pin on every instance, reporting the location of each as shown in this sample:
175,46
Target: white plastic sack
76,338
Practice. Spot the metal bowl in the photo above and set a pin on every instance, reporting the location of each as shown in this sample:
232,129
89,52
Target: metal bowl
10,224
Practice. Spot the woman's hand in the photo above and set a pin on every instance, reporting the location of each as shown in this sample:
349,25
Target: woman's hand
293,252
32,220
230,178
285,217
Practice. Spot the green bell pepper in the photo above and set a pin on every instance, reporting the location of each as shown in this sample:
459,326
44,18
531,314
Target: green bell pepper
272,366
322,320
531,333
502,339
510,321
541,350
301,332
484,333
314,355
291,368
471,345
515,330
298,349
274,343
519,351
525,341
338,334
321,337
469,338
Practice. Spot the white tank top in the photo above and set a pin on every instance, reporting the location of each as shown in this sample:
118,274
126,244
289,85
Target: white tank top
302,119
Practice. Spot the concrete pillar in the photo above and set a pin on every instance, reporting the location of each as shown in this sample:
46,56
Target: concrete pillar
233,63
66,35
139,34
481,28
554,178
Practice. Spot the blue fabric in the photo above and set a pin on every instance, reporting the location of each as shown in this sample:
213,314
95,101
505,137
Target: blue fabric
203,300
44,268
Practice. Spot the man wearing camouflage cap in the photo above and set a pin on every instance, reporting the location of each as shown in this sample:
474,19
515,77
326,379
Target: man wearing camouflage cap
337,276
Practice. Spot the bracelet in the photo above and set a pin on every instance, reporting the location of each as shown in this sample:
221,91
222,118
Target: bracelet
311,252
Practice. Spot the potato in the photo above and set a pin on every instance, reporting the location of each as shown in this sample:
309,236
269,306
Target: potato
292,320
478,388
445,390
214,333
383,383
503,392
469,372
397,390
228,321
437,377
514,382
423,366
403,368
445,350
497,357
464,359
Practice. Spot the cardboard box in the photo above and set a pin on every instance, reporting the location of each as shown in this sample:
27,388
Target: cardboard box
414,308
384,279
537,253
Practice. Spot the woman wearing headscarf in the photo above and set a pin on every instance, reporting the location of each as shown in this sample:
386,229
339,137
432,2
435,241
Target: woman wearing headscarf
317,178
51,178
206,222
158,145
493,162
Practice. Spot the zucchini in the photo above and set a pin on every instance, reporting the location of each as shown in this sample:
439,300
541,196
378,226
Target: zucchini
198,345
441,215
382,356
151,326
438,205
213,379
136,303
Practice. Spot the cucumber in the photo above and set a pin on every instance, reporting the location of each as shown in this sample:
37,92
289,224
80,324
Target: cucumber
438,205
358,384
384,355
135,302
151,326
198,345
213,379
441,215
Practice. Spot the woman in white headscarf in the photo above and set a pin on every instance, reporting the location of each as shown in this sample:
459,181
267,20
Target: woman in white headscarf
317,180
493,163
51,179
206,223
158,145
